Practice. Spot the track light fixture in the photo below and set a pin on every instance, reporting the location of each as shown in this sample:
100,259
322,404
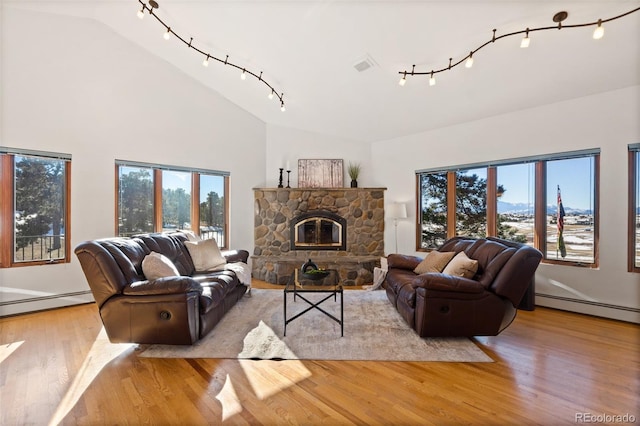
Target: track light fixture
468,60
525,40
153,4
599,31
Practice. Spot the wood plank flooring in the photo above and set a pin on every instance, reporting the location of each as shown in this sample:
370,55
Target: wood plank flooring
57,367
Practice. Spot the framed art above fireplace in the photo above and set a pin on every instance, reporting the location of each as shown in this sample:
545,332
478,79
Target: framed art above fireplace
320,173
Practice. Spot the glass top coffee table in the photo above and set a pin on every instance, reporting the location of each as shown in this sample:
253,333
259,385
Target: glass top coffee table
328,287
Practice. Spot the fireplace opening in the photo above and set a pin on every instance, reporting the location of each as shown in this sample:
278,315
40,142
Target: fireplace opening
318,230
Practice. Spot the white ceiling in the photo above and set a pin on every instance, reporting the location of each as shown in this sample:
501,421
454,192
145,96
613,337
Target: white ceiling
307,49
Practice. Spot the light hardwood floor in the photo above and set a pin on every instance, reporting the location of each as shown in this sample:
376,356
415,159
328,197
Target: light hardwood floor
57,367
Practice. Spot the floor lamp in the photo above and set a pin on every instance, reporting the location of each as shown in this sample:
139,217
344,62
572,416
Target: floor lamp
397,211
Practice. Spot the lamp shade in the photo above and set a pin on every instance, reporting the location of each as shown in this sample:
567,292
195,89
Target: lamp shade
397,211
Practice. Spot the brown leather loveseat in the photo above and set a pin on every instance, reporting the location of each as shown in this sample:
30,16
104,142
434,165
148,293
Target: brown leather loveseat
481,304
171,309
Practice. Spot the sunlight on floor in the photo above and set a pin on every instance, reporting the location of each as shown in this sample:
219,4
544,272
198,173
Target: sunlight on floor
101,353
229,400
8,349
267,378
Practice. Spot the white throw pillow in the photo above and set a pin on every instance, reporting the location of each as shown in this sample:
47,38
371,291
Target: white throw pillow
191,236
206,255
156,265
434,262
461,266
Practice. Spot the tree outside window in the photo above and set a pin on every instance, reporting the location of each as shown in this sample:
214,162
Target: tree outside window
212,207
135,200
433,209
471,203
176,200
39,208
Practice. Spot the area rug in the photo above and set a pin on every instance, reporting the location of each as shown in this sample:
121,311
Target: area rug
373,330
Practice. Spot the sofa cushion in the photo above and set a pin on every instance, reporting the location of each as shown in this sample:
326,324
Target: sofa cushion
156,265
434,262
206,255
461,266
215,287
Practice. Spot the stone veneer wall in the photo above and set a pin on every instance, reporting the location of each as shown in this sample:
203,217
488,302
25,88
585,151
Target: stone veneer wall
363,209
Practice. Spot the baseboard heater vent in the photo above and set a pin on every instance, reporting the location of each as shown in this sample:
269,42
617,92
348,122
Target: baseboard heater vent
41,298
588,302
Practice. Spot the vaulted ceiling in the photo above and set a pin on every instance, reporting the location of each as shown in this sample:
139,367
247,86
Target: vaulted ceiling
308,49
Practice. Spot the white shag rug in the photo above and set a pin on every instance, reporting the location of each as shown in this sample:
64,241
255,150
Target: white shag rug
373,331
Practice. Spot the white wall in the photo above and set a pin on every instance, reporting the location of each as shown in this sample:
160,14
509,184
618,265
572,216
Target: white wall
290,145
73,86
608,121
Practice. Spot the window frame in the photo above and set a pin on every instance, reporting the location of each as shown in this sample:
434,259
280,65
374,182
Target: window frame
7,207
540,195
157,170
634,169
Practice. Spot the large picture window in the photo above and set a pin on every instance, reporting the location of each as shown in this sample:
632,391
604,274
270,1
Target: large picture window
158,198
549,202
34,207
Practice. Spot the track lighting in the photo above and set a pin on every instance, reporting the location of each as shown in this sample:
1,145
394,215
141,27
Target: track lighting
153,4
525,40
524,43
469,62
403,80
599,31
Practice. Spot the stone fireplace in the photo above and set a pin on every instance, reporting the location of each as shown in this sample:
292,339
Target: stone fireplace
338,228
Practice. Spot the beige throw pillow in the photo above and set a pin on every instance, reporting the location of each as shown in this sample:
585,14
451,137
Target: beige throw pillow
461,266
434,262
206,255
156,265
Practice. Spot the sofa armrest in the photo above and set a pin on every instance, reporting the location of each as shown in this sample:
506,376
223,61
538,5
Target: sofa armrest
403,261
444,282
165,285
233,256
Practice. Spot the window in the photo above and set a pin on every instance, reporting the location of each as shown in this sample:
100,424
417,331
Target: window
471,202
176,200
433,210
212,207
135,200
634,208
156,198
517,200
34,207
570,233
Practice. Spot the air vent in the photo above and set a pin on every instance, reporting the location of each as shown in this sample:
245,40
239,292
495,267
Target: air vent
364,64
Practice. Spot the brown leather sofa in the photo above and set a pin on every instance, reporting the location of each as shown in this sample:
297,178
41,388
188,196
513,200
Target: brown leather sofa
435,304
170,310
